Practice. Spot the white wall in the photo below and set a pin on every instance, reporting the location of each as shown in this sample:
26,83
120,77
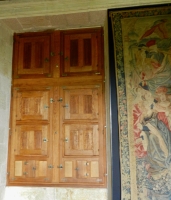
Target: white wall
5,86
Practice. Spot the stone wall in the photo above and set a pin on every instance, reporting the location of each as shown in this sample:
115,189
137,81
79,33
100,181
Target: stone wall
6,43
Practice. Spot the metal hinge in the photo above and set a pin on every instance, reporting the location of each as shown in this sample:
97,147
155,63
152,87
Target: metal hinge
45,140
60,166
66,106
60,99
50,166
52,54
51,100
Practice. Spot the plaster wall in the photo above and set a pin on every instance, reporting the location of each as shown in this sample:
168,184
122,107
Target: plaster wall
21,8
5,86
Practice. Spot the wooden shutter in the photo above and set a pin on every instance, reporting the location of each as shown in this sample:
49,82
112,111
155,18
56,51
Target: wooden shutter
81,170
31,149
82,52
80,102
32,55
81,139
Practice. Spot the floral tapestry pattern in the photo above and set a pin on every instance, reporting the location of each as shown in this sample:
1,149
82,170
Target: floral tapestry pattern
142,47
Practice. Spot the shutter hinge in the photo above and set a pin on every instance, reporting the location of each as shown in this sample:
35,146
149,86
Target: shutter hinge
60,99
45,140
60,166
66,106
51,100
50,166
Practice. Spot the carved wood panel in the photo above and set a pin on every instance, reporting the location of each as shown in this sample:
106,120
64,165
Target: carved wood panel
81,139
81,102
82,52
32,170
32,104
32,55
81,170
32,139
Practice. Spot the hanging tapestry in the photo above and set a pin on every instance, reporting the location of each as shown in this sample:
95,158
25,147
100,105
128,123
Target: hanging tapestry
142,52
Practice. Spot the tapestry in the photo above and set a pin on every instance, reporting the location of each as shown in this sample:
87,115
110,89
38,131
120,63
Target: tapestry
142,53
